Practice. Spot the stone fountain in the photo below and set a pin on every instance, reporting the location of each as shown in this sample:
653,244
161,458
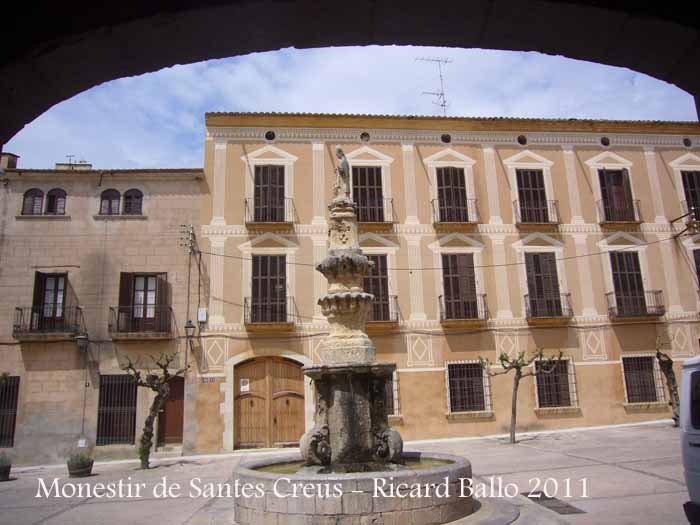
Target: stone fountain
351,450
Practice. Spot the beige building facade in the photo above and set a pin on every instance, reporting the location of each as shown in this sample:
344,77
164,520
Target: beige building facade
489,236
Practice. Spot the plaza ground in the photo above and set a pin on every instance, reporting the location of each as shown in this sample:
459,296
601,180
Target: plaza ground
634,476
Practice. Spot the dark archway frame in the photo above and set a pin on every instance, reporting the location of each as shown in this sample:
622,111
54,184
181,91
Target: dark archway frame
55,50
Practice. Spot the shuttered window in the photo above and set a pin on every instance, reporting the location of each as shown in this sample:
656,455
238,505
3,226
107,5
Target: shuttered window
116,410
269,287
376,282
452,195
32,202
268,200
691,188
54,302
9,394
133,201
544,299
616,195
628,283
144,301
459,283
641,381
532,197
466,387
56,202
554,388
367,193
109,202
696,258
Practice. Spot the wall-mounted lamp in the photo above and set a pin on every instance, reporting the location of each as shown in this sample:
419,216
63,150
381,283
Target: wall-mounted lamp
189,331
82,342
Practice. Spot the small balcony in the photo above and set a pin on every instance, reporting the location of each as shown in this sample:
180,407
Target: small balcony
460,312
548,311
377,215
384,313
141,323
48,322
645,305
452,217
263,214
536,214
269,315
616,215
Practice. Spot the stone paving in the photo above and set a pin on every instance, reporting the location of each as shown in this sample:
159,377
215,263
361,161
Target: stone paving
634,475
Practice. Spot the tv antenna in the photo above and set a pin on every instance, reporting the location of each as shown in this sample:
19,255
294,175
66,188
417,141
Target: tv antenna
440,98
70,159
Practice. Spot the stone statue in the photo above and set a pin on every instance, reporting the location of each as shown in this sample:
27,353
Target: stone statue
342,175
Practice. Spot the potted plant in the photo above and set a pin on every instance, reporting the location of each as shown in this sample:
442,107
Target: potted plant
5,466
79,464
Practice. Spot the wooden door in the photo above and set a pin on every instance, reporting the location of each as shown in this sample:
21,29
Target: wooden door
268,403
617,195
171,417
459,283
543,284
367,193
376,282
532,196
628,283
452,195
269,194
269,287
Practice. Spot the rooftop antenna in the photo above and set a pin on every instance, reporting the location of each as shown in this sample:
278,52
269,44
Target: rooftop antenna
70,159
440,99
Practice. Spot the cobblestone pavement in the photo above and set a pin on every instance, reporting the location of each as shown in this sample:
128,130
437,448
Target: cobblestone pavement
632,475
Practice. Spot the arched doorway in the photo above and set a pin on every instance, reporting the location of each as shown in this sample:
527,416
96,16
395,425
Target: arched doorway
268,403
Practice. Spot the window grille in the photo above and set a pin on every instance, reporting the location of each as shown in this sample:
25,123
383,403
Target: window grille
109,202
391,399
642,379
116,410
9,392
468,387
557,388
56,202
133,200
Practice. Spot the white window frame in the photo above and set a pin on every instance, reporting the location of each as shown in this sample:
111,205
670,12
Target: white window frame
609,161
527,160
472,246
686,162
658,381
571,376
488,401
691,244
435,161
248,249
389,249
379,160
641,251
269,156
554,246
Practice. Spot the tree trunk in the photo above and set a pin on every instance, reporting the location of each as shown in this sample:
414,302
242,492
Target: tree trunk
514,406
147,436
666,365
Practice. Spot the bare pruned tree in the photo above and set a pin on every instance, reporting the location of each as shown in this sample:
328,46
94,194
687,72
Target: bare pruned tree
519,364
159,382
666,366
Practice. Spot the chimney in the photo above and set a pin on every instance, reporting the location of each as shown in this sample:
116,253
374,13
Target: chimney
8,161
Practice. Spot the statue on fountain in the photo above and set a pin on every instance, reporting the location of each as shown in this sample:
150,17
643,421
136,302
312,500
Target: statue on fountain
351,425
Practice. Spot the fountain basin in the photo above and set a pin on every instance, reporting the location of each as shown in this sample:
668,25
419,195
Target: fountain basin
428,489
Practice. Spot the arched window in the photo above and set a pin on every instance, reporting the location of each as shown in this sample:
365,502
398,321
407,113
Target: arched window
132,202
109,202
33,200
56,202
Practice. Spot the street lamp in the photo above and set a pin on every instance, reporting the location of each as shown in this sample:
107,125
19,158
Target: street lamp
82,342
189,331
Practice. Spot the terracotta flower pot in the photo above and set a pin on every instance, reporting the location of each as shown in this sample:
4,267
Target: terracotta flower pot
81,470
5,472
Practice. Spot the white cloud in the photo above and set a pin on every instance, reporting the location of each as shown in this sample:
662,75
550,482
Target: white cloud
157,120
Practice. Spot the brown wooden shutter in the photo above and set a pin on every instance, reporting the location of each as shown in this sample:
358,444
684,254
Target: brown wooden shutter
39,281
691,188
452,195
543,284
628,282
459,283
696,256
126,300
367,193
162,313
532,196
376,282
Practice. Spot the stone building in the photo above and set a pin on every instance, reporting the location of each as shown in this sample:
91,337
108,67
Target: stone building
488,236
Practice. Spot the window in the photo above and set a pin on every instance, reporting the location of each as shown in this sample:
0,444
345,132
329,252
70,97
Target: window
459,284
616,204
543,298
696,258
143,302
556,388
532,197
691,188
367,193
628,283
452,195
116,410
642,379
391,395
56,202
109,202
268,200
54,306
133,200
32,203
9,393
269,289
468,387
376,282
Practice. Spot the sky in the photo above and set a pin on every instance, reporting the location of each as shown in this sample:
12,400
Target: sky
156,120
